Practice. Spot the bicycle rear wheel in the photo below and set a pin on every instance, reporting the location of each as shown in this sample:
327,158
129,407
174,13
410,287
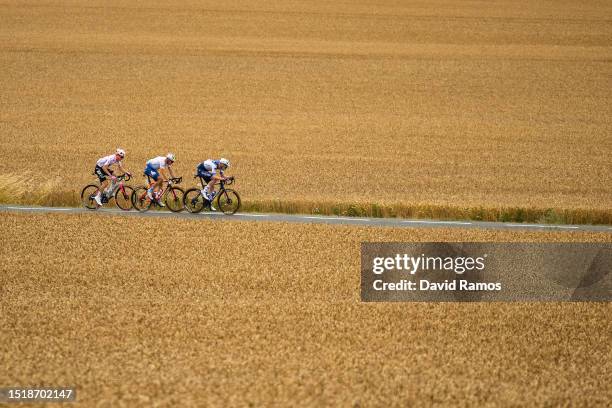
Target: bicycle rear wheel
140,200
193,200
87,196
174,199
228,201
123,199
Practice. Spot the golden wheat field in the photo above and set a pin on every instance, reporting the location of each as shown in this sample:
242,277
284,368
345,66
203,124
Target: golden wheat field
146,312
443,104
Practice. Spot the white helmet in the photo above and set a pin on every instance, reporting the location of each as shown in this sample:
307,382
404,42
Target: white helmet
224,161
120,152
171,157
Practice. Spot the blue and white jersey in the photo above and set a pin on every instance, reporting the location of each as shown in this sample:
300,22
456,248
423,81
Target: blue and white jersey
157,163
210,166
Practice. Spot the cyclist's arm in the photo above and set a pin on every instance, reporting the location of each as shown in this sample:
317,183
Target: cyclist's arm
221,176
106,170
164,173
123,169
171,172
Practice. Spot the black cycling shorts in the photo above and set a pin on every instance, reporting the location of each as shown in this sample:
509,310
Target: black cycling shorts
204,174
101,174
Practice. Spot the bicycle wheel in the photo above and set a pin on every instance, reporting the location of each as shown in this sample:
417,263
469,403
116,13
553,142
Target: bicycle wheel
123,199
193,200
140,200
228,201
87,196
174,199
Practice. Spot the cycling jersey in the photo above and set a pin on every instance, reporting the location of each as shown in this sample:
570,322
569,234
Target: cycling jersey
209,166
157,163
107,160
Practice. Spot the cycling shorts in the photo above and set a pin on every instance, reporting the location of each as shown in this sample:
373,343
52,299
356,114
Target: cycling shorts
151,172
99,171
204,174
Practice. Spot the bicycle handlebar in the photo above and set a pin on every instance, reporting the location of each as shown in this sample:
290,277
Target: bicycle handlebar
176,180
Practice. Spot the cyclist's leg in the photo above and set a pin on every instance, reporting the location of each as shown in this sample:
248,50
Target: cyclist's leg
160,192
106,183
158,185
207,177
103,183
159,182
211,185
101,176
158,189
152,173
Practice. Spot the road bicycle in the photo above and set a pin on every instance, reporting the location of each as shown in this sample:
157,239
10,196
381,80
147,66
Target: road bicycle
117,189
171,195
226,200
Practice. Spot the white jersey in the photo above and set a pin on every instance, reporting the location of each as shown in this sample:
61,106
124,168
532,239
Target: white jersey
211,166
107,161
158,163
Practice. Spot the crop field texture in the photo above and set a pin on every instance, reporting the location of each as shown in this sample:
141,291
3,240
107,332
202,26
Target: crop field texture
143,311
423,108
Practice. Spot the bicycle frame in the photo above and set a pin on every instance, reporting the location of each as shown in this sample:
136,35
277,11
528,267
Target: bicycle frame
164,189
120,184
89,192
227,199
221,183
117,186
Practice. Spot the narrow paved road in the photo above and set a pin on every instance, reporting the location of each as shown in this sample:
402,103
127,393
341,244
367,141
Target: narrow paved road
317,219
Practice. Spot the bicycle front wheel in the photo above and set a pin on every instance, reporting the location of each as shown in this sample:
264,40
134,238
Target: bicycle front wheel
228,201
193,200
140,200
88,196
174,199
123,199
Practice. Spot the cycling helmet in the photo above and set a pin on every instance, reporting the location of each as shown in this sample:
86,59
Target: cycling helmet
171,157
224,161
120,152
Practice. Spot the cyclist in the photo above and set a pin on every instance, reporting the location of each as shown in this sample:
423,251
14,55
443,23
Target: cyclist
157,167
103,171
212,172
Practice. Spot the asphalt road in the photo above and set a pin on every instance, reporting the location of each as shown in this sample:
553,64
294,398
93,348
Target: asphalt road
316,219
